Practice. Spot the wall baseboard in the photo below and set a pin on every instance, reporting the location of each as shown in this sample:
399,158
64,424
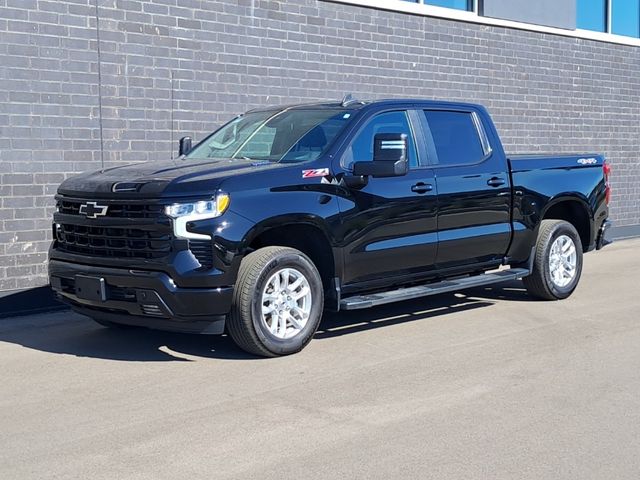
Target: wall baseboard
27,301
626,231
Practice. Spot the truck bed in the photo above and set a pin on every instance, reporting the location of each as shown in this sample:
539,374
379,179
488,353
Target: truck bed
542,160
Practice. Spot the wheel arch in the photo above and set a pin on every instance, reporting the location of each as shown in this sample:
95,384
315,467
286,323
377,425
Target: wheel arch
307,233
574,210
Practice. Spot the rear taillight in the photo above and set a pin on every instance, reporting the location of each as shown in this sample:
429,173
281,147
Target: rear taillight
606,169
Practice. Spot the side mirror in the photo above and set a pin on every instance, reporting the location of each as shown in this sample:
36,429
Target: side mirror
184,146
389,157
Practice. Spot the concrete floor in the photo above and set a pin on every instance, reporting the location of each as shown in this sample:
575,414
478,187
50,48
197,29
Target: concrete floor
487,385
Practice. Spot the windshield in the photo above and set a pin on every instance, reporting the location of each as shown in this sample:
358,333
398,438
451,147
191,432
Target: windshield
287,136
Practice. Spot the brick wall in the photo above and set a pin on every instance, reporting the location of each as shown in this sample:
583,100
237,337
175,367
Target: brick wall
69,103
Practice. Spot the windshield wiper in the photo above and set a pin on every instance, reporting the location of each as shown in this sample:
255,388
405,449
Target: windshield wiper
255,159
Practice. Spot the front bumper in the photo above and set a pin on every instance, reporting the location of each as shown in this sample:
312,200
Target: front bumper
144,298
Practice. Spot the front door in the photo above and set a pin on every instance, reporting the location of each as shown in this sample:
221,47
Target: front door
389,225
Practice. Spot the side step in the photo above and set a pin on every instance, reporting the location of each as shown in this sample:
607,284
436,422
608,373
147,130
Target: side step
365,301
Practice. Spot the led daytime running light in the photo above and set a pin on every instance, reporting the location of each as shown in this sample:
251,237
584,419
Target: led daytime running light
183,213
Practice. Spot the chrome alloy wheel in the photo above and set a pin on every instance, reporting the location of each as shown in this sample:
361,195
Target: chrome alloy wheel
562,261
286,303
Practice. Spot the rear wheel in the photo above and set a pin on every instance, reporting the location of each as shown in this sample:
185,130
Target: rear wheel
277,303
558,261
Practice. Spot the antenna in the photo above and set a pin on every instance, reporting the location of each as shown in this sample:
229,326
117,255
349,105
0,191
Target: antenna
348,99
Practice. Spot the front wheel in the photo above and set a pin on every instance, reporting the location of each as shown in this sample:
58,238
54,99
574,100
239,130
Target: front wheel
558,261
277,302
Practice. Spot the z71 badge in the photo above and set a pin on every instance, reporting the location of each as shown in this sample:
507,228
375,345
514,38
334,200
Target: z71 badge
316,172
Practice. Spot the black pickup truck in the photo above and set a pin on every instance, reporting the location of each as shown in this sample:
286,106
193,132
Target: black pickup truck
284,212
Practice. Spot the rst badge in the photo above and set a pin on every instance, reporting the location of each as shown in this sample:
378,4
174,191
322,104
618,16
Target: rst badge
93,210
316,172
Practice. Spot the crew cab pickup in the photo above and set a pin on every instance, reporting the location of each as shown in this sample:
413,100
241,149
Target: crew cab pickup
286,211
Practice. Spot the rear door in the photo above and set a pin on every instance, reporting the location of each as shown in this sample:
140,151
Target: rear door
474,193
389,225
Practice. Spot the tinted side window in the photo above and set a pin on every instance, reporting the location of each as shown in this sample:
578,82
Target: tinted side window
361,148
455,137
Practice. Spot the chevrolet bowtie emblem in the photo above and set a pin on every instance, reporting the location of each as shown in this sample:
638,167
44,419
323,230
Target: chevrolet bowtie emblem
93,210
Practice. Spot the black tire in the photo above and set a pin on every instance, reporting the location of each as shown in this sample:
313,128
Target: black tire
245,323
540,284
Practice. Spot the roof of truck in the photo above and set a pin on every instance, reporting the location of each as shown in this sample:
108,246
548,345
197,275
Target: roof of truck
355,104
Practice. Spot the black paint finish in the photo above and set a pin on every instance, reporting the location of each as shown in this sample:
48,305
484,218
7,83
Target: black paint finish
436,221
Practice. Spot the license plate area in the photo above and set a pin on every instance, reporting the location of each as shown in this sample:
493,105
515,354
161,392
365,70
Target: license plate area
91,288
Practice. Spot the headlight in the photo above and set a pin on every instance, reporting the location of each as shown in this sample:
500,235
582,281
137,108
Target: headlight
183,213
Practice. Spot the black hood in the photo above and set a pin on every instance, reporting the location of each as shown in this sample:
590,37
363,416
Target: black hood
177,178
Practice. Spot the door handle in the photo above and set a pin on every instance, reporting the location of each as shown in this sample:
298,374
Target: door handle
495,182
422,187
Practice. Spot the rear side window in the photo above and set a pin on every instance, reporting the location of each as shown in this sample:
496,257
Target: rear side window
455,137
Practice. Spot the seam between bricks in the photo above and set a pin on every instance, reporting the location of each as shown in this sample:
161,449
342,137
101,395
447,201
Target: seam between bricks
99,83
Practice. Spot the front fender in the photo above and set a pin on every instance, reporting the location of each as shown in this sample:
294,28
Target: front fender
256,212
284,220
